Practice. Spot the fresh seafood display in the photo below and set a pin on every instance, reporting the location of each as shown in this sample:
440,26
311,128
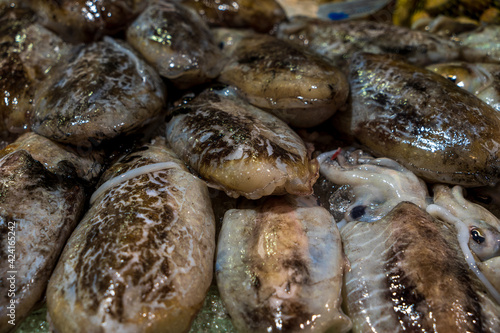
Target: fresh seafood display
86,20
481,79
280,266
141,259
204,122
408,273
265,71
338,41
28,53
423,121
260,15
176,42
379,189
239,148
104,90
39,209
376,185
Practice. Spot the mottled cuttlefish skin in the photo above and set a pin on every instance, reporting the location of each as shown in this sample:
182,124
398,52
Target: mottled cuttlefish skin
279,267
338,41
86,20
239,148
60,159
38,211
177,43
423,121
292,83
481,79
376,185
259,15
103,90
408,274
28,52
141,260
483,226
482,44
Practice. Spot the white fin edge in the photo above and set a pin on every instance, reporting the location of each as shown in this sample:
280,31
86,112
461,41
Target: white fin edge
132,174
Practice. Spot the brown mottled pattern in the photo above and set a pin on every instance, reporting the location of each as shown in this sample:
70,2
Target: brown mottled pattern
423,121
274,221
425,268
45,208
103,90
274,74
279,268
107,247
240,148
177,43
241,131
409,274
141,259
60,159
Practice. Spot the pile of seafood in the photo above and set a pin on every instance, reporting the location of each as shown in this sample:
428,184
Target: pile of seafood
222,166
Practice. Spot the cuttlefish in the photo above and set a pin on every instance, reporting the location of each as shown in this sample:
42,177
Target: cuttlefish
408,273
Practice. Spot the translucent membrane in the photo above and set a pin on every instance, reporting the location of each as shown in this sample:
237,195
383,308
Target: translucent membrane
132,174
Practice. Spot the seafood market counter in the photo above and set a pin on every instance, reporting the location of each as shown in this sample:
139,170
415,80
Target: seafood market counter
249,166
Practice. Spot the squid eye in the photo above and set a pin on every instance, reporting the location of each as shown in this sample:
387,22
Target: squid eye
452,78
477,236
358,212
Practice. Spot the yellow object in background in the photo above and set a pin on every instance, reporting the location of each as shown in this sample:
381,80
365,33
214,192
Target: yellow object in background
407,12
